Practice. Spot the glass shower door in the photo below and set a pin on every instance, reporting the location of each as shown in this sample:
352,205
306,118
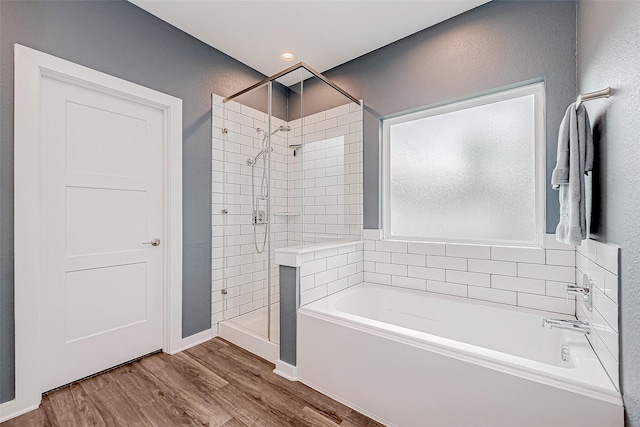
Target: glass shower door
288,173
244,206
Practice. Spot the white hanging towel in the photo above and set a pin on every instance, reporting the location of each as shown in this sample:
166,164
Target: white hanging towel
575,159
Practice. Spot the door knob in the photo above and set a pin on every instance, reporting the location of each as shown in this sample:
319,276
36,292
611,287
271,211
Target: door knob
153,242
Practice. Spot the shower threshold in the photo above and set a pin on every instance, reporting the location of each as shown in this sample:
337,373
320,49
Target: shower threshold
249,331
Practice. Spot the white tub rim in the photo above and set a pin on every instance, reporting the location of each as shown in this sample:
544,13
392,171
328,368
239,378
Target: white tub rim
324,309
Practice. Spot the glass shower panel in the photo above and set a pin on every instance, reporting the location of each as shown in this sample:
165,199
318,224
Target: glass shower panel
279,132
243,167
286,172
291,85
331,164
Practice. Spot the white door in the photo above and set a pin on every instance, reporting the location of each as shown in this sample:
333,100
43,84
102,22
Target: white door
102,199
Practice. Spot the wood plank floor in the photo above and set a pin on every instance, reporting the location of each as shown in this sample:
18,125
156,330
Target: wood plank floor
212,384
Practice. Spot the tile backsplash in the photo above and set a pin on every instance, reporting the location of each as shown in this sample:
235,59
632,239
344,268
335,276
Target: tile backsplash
327,271
529,277
600,261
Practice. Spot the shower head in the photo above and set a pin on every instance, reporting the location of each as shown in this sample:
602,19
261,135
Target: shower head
281,128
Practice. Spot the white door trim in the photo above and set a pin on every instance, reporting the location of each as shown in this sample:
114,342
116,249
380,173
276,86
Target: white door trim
30,67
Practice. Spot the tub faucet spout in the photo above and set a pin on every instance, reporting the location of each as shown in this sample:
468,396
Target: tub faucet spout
569,325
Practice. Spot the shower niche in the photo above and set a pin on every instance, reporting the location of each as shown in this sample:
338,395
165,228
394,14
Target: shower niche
286,172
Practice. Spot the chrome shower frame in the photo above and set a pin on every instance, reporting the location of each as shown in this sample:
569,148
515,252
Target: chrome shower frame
268,213
268,82
287,71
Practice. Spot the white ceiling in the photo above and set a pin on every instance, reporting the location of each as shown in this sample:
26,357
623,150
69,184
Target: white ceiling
323,34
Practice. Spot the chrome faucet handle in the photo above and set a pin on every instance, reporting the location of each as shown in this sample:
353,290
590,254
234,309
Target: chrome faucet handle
586,290
577,290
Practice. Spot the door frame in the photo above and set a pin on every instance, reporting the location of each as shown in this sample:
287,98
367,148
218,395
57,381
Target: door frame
30,67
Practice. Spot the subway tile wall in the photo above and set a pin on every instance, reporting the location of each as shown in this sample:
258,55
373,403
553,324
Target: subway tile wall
600,261
528,277
330,189
325,177
330,270
236,265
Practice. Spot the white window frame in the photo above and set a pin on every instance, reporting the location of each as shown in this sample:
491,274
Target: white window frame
536,89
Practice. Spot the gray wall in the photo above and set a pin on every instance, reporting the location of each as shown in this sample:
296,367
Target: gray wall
259,99
494,45
120,39
318,96
289,305
609,55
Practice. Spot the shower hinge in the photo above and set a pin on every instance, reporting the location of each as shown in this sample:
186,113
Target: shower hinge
225,130
223,291
225,211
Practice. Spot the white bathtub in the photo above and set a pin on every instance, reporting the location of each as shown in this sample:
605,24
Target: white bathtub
408,358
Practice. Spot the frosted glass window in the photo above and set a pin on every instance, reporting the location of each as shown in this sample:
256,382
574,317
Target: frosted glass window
465,172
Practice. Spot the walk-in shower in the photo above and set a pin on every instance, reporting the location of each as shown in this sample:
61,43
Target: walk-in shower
287,171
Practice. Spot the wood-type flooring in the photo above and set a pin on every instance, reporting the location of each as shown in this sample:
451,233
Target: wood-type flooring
212,384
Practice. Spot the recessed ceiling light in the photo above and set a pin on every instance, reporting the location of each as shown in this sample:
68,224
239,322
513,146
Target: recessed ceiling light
287,56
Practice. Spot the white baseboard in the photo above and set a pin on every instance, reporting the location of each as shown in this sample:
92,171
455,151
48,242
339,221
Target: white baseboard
286,370
12,409
250,341
193,340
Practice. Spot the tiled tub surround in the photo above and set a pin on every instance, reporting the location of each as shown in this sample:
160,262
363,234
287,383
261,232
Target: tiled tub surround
530,277
325,268
509,371
332,185
600,262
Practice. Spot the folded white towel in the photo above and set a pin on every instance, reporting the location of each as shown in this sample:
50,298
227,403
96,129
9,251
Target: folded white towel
575,159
